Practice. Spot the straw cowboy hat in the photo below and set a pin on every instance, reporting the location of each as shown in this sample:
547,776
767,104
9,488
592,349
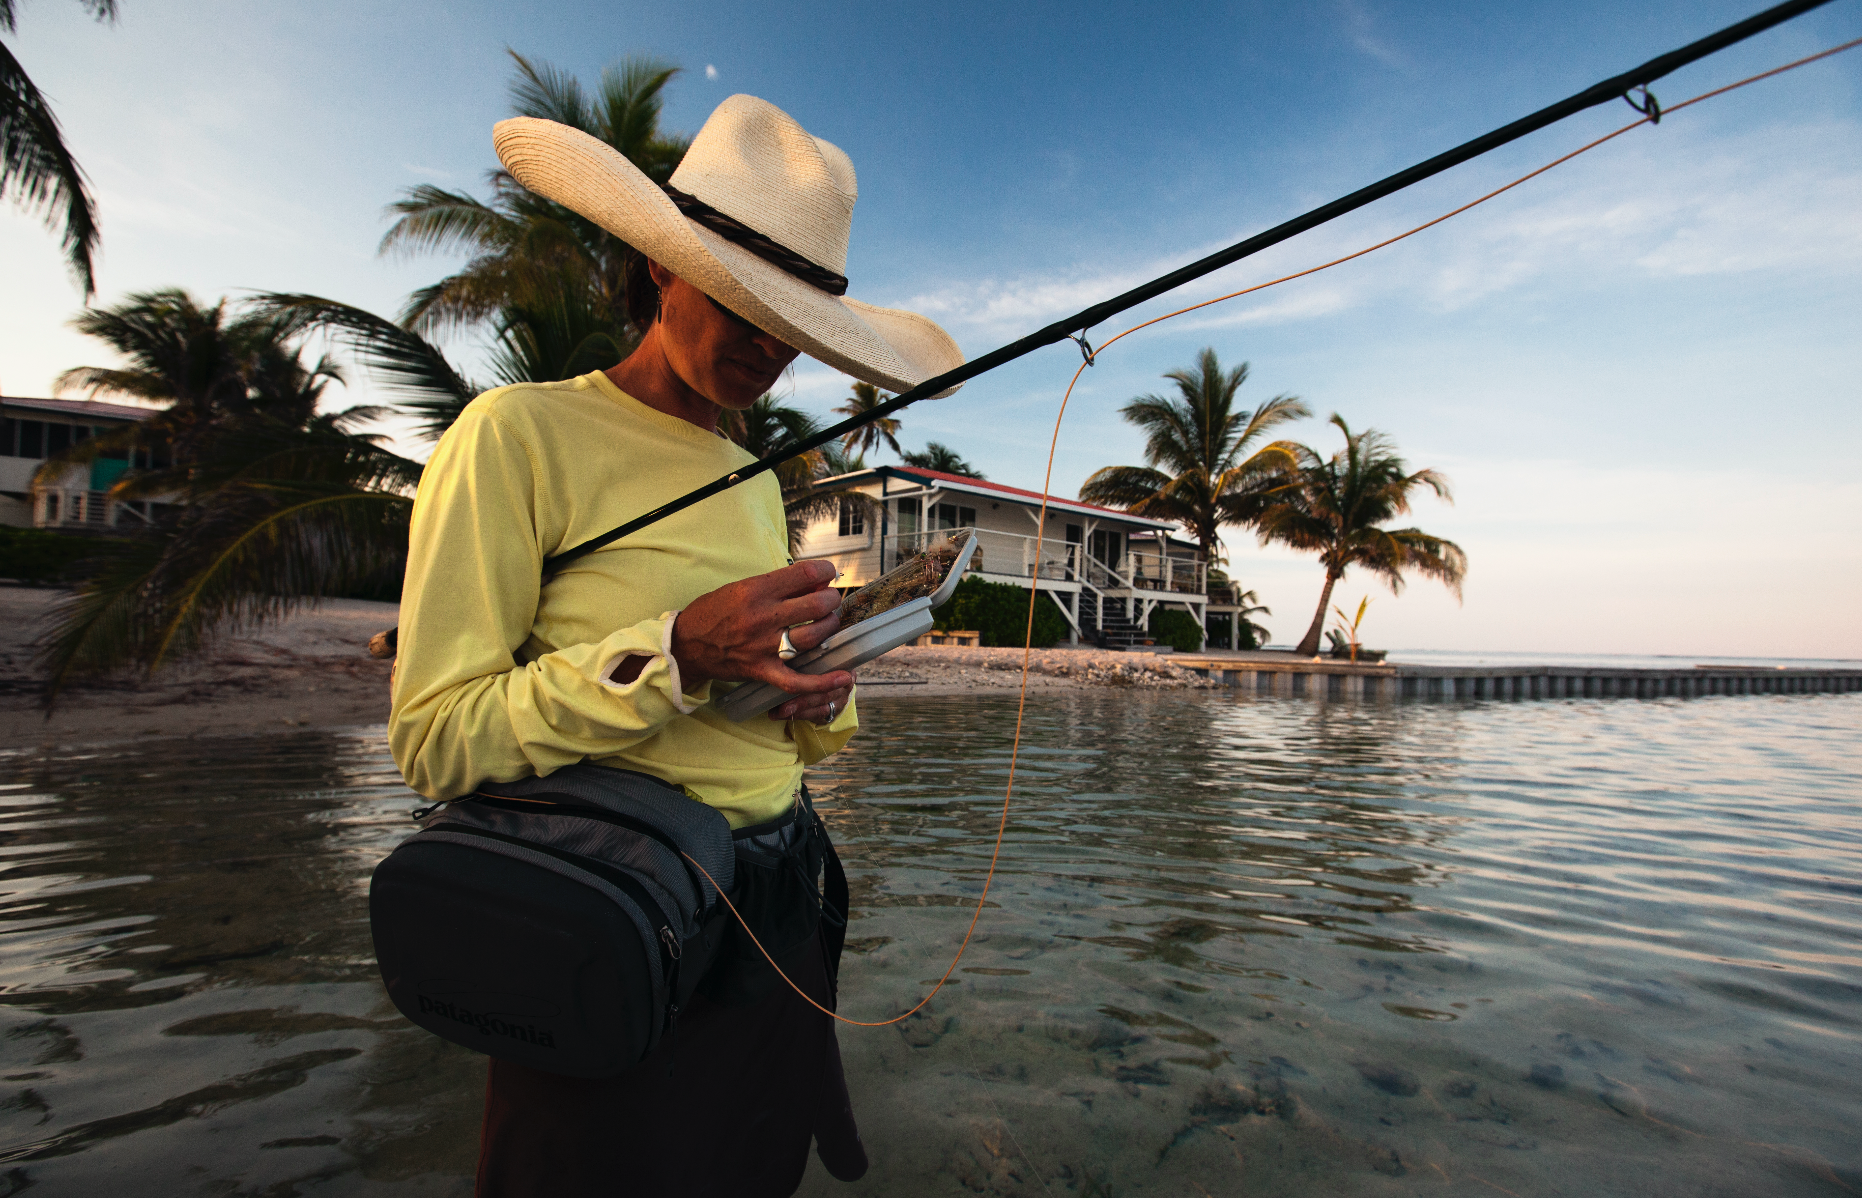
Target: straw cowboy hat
757,217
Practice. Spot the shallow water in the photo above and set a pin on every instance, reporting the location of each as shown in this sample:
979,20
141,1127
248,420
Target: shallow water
1236,946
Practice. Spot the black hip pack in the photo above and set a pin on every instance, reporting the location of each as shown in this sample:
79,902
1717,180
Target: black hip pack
554,922
557,922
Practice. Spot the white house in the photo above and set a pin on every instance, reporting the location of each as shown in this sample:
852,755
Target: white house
32,430
1107,569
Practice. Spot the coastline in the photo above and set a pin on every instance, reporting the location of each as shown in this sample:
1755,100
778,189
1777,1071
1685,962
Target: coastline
312,670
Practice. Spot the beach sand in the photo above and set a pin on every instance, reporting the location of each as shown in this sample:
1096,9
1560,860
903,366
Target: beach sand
312,670
942,670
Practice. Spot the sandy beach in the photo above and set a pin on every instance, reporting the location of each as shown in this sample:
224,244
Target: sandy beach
312,670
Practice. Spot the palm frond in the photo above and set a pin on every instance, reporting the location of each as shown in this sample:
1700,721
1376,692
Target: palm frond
36,169
432,219
100,627
475,294
630,103
558,335
284,560
83,453
105,380
406,362
547,93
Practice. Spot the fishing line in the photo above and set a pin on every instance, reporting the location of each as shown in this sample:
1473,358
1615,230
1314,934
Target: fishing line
1654,114
1614,88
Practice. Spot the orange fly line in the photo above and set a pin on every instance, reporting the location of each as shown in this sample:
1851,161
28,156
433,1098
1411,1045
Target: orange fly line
1047,480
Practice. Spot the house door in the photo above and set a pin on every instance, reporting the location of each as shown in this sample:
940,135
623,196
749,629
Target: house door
1108,548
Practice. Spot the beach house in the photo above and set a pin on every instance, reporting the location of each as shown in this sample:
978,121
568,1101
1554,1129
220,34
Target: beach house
32,430
1107,570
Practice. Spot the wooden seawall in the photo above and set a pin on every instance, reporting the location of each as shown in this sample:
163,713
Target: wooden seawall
1283,674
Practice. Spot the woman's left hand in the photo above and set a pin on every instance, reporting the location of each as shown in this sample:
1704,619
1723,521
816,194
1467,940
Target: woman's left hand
816,709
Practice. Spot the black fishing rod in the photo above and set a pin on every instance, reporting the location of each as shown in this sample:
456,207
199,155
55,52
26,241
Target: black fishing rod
1616,87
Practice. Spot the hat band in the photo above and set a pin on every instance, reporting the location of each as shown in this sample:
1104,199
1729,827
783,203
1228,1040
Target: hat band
772,252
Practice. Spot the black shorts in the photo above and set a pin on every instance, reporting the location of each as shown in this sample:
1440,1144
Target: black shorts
725,1106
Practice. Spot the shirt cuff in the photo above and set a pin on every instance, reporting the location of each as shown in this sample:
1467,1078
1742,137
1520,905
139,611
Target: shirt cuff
673,687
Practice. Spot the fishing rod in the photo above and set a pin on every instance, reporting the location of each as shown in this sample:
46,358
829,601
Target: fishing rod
1075,326
1648,117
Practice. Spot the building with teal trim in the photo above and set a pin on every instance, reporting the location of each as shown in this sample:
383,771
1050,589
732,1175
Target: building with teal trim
76,498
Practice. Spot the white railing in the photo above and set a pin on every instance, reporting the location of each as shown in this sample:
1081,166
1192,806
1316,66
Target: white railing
1161,572
54,507
996,553
1062,561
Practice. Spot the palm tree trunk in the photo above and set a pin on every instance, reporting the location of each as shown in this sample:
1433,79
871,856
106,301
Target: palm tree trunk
1309,644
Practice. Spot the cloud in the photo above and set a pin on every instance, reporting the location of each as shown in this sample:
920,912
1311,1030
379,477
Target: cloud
711,72
1359,29
811,381
1673,204
1294,305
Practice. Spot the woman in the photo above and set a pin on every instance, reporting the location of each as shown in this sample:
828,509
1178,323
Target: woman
504,674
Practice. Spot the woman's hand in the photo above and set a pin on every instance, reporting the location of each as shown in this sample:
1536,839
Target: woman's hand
733,634
816,709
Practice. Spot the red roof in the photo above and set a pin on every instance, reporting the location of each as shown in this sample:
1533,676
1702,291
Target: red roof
1016,491
79,407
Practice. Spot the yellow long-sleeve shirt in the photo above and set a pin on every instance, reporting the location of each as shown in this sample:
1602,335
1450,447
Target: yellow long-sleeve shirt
502,675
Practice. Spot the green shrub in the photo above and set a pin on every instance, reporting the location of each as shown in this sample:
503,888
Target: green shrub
1218,632
1178,629
999,612
36,556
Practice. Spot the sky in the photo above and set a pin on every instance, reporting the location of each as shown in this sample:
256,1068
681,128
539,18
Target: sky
1641,371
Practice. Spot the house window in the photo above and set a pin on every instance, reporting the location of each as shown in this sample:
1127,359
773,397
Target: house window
909,512
32,438
852,517
1108,547
949,515
57,438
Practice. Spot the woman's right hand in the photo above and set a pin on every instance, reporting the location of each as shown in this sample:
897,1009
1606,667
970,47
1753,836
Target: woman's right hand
733,633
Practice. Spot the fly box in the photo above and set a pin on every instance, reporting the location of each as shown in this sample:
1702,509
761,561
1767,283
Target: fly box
881,632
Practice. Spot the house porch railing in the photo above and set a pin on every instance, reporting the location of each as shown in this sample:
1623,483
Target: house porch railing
60,508
1019,556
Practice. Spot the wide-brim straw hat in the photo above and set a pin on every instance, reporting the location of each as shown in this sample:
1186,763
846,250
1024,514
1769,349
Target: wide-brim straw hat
757,217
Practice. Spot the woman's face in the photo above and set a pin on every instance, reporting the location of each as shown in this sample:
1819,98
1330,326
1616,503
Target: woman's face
716,353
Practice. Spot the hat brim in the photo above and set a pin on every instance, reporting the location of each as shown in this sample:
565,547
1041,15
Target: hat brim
887,347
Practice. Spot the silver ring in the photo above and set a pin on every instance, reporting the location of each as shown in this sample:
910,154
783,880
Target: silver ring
784,649
831,706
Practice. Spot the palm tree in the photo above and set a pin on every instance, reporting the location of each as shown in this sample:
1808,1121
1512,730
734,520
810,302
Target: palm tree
277,506
213,369
1198,469
1337,506
271,518
870,436
37,170
938,456
528,252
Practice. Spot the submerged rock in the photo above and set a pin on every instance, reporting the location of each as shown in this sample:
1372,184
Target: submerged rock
1393,1080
